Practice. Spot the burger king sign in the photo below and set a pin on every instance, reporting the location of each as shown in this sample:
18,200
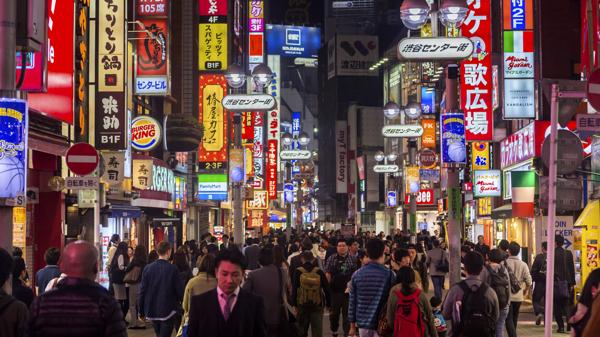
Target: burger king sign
145,133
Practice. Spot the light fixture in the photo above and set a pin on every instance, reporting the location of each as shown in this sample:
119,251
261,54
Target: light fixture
391,110
414,13
379,156
315,130
392,156
235,76
304,139
453,12
413,111
262,75
286,139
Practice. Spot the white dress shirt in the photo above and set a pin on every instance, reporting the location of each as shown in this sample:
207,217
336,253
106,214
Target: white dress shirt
222,297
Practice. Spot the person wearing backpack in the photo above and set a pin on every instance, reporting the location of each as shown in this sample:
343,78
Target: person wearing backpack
310,293
496,276
339,269
408,309
520,271
472,305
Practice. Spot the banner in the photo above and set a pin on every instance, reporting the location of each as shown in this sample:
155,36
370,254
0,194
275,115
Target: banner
480,156
260,201
13,148
452,131
213,118
212,53
114,167
256,28
341,156
292,41
258,156
273,128
428,139
152,76
82,60
142,174
476,73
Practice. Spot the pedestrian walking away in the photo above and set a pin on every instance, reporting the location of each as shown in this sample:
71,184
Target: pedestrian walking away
437,260
520,270
13,313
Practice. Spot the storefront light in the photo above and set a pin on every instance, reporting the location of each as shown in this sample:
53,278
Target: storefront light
304,139
235,76
379,156
391,110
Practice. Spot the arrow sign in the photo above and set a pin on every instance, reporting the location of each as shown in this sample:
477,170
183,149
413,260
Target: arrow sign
295,155
258,102
567,243
402,131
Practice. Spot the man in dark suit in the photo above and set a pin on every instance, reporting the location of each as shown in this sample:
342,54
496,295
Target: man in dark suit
228,310
564,270
225,244
251,253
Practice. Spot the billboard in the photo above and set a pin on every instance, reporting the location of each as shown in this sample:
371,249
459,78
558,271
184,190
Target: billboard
13,147
256,28
355,54
212,186
428,100
341,156
487,183
213,118
480,156
152,74
212,53
452,131
428,139
292,41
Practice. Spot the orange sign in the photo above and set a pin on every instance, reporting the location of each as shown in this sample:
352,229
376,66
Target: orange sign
428,138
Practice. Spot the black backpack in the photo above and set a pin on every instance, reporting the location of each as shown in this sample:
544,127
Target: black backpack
475,320
500,285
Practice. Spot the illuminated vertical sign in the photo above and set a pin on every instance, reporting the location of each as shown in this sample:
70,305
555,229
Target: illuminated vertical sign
273,122
213,32
428,139
81,72
111,122
480,156
258,150
256,28
296,128
476,73
213,118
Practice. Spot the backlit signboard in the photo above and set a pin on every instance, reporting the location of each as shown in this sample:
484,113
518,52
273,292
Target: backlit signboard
292,41
212,186
213,117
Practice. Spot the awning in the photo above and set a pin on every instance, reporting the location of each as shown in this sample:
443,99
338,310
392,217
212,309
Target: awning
123,211
502,212
160,219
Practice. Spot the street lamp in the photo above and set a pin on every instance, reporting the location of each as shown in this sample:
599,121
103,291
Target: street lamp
391,110
303,139
414,13
413,111
287,139
391,157
379,156
235,76
453,12
262,75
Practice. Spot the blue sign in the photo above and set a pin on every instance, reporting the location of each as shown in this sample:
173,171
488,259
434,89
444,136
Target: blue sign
291,41
296,128
392,201
13,147
427,100
430,175
153,85
452,131
288,193
518,14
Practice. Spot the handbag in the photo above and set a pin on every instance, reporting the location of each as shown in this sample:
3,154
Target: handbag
443,266
134,275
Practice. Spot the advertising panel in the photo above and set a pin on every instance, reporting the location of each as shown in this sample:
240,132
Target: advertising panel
256,47
35,73
114,171
152,76
211,8
145,133
142,174
260,201
258,218
256,28
487,183
258,156
428,139
355,54
424,197
519,64
13,147
82,73
212,186
212,53
213,117
452,131
57,101
476,73
518,14
519,98
411,181
292,41
480,156
341,156
428,100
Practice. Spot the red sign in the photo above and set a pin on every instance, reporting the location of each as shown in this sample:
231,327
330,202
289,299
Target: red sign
256,45
57,102
468,187
34,71
152,53
424,197
271,176
247,126
427,158
152,8
213,118
82,159
212,7
476,73
593,90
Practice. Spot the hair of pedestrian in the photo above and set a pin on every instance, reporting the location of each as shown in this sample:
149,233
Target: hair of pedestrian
412,246
503,245
225,236
465,249
514,248
307,256
375,248
400,253
545,245
152,256
207,265
17,252
278,258
496,255
232,256
139,254
294,248
473,262
350,241
115,238
559,240
436,243
18,267
51,256
163,248
122,249
406,277
180,261
593,280
6,266
435,302
265,257
307,244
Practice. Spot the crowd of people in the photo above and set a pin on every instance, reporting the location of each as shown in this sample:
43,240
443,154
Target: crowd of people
370,284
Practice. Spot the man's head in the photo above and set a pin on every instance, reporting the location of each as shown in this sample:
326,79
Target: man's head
115,239
225,238
375,249
503,245
342,247
307,244
19,268
230,266
514,249
6,269
412,251
544,247
559,240
464,249
353,246
325,242
473,263
402,257
480,239
164,250
496,255
80,259
52,256
265,257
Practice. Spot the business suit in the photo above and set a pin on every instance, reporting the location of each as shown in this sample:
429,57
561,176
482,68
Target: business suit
251,253
247,318
265,282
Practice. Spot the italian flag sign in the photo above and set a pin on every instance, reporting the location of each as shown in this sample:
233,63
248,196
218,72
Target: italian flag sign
523,193
518,42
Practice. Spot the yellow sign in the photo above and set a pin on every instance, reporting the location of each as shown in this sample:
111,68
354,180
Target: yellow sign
480,156
212,53
589,222
261,200
213,118
411,183
484,207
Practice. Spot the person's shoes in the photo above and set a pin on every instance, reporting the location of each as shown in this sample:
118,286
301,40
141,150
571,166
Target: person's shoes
560,330
538,319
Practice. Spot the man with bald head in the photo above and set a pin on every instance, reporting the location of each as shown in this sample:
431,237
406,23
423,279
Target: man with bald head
78,306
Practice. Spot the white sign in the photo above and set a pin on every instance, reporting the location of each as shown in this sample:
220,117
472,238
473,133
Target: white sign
519,65
341,156
487,183
307,62
402,131
563,225
163,179
355,54
295,155
519,98
142,174
114,166
435,48
260,201
151,85
254,102
81,183
386,168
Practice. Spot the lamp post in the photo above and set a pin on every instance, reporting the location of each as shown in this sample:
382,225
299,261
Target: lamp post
287,142
236,79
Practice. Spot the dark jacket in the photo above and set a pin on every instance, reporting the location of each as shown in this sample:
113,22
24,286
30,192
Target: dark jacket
161,290
251,252
564,266
296,262
247,318
44,276
77,307
135,263
265,282
22,292
13,316
296,284
538,270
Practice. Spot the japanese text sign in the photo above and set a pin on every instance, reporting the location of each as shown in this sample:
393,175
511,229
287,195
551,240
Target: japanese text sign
411,180
428,100
142,173
213,117
152,58
487,183
258,149
110,121
81,183
260,201
13,147
155,8
213,10
480,156
518,147
434,48
212,54
212,186
452,131
428,139
256,16
518,14
114,162
476,73
82,72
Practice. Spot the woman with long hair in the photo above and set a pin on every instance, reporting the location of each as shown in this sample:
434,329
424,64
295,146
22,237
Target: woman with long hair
117,271
582,315
135,268
181,262
201,283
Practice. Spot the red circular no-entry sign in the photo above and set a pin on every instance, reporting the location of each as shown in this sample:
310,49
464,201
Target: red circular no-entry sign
593,90
82,159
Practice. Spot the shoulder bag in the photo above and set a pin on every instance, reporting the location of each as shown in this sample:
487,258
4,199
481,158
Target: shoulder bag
134,275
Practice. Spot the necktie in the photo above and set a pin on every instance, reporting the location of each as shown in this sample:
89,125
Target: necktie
228,301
